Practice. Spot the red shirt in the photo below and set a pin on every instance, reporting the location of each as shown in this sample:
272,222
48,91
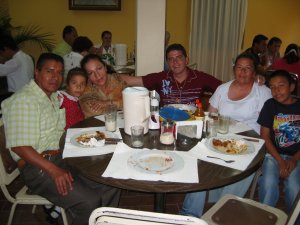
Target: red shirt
171,92
73,110
281,64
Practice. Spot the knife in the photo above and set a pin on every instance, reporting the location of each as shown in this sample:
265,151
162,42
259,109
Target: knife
112,140
251,139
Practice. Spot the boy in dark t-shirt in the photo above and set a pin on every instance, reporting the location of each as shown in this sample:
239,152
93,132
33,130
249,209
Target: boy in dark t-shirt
280,128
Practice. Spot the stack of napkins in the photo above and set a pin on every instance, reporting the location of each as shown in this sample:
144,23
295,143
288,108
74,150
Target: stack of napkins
71,150
120,169
241,162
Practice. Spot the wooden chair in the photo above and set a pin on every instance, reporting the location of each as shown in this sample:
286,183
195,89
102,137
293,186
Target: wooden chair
8,173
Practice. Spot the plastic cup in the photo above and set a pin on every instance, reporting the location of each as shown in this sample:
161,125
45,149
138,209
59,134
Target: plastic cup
223,126
137,136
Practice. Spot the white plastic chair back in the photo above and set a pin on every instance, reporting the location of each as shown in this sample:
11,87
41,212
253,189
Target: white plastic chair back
109,215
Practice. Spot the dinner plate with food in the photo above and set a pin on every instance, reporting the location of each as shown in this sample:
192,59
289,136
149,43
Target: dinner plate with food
93,139
230,145
155,161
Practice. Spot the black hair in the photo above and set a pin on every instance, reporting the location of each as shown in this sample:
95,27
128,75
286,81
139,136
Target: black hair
82,44
274,40
106,32
89,57
74,72
282,73
7,41
247,56
68,30
291,53
177,47
258,38
46,57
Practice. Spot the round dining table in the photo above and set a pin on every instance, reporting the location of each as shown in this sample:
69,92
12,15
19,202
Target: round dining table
210,175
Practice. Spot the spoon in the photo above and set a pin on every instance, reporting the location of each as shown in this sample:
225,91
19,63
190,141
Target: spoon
227,161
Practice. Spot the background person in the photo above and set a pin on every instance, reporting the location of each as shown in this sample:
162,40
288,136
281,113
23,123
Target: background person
106,49
80,48
102,89
258,49
272,53
179,84
69,34
17,66
33,126
244,94
290,61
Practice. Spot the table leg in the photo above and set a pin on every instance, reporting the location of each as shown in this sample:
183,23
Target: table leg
160,202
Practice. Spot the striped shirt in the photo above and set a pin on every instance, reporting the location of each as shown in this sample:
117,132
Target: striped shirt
186,92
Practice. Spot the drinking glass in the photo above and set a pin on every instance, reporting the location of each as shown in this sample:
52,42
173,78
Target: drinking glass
111,118
223,126
137,136
211,128
167,133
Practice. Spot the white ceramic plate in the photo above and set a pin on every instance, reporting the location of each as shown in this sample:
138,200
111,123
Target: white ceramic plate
250,146
185,107
107,134
155,161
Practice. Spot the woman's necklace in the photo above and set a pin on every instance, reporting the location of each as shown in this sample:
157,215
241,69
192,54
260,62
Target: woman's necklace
180,89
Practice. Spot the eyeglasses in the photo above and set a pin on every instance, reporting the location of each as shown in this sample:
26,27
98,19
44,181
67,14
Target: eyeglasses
176,59
246,69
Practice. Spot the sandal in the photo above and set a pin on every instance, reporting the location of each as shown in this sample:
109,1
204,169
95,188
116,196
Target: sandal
52,215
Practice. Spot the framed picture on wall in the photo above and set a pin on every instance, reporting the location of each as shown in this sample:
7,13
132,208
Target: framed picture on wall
95,5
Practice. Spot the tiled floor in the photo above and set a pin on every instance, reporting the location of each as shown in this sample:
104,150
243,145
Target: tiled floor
129,200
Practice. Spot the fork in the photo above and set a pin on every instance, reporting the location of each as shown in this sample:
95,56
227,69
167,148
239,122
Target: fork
227,161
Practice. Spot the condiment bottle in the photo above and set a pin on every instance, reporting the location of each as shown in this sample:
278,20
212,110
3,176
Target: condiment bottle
199,113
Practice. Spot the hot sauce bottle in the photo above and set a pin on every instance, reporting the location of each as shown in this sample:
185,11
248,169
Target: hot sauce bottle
199,113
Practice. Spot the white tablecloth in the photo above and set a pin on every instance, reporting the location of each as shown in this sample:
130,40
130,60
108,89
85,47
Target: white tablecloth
201,151
71,150
118,168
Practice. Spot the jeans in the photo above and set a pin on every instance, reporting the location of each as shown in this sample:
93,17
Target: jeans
193,203
269,183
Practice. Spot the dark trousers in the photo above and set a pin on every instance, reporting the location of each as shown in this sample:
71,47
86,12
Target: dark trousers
86,195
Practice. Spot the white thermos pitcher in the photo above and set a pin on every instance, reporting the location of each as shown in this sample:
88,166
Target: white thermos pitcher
136,107
120,54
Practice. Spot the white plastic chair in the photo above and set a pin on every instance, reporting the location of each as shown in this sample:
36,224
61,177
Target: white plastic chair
233,210
109,215
22,197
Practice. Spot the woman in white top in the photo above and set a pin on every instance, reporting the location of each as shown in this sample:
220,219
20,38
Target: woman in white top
241,99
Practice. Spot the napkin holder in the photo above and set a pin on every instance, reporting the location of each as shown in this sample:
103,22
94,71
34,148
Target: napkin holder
191,129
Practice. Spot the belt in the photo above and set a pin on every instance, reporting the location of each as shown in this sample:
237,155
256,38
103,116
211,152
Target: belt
21,162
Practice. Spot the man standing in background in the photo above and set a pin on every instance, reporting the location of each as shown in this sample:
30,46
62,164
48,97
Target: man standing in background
17,66
69,36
